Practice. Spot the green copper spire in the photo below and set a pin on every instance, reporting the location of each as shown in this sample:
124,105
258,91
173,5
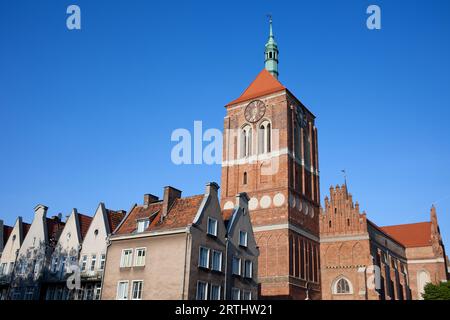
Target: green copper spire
271,52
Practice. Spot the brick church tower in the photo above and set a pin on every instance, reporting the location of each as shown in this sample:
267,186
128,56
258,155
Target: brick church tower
270,152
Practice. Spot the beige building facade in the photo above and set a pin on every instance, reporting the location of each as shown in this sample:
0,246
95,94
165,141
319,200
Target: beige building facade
176,249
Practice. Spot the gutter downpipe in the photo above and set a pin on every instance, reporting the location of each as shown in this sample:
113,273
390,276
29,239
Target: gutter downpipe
188,233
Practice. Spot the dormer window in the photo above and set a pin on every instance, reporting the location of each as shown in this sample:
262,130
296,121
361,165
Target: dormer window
212,227
142,225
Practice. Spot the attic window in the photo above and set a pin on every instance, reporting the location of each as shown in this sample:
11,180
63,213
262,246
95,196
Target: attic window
142,225
14,237
96,232
212,226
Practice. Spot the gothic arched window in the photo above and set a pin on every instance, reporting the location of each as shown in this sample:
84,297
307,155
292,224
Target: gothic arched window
246,141
265,137
342,286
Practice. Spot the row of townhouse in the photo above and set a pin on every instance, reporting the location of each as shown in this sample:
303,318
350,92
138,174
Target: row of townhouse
173,248
39,258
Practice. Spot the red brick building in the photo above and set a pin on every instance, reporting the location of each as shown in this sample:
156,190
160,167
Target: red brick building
361,261
270,152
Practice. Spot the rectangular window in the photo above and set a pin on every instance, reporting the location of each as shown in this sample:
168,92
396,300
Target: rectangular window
97,292
247,295
122,290
212,226
11,267
139,260
83,263
203,259
243,238
235,294
236,266
215,292
126,259
216,260
137,290
3,269
248,272
142,225
93,262
102,262
202,290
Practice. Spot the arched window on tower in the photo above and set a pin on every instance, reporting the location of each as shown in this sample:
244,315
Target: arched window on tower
342,286
246,141
265,137
245,178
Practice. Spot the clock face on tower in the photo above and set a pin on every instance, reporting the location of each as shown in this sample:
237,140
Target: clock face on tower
254,111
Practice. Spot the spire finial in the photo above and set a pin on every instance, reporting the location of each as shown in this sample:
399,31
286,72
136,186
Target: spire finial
271,52
270,25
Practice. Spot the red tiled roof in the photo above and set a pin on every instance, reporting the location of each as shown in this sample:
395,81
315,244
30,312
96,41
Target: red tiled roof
114,218
263,84
411,235
6,233
181,214
25,228
84,222
138,212
227,214
54,228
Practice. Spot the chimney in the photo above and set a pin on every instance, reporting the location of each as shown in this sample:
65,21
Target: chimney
149,198
212,188
242,200
170,195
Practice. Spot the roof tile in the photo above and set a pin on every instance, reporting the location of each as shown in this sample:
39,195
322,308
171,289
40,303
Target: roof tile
263,84
411,235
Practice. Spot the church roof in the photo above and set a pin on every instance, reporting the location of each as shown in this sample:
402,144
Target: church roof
263,84
411,235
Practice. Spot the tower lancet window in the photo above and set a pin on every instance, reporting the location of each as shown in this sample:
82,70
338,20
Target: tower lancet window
246,141
265,137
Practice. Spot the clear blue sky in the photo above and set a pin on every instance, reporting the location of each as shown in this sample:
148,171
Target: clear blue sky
86,116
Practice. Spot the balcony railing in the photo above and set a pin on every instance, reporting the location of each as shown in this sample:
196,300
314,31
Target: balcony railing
88,275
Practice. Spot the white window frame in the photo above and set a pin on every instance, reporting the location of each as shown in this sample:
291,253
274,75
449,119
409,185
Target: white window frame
132,289
97,292
84,263
93,262
233,290
136,257
125,291
246,238
145,223
211,291
130,259
207,257
240,266
246,292
246,275
206,290
212,220
220,262
101,261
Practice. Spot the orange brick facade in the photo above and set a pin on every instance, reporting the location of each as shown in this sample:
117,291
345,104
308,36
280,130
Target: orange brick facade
283,185
361,261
